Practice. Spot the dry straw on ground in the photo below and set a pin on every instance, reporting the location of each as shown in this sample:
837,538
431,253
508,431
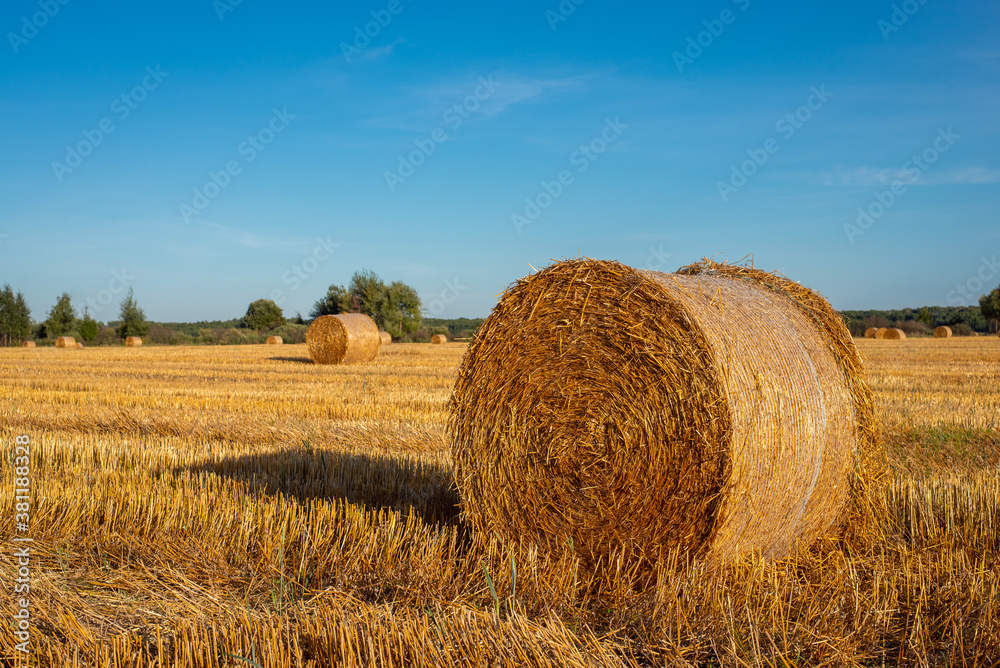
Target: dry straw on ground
133,341
347,338
880,332
894,334
439,339
721,410
274,341
386,337
27,344
65,342
870,332
942,332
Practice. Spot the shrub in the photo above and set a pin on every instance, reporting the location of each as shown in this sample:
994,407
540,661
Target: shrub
961,329
290,332
914,328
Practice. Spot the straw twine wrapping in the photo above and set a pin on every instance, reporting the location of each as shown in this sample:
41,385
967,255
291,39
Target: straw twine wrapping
386,338
27,344
65,342
274,341
870,332
439,338
942,332
133,341
721,410
880,333
894,334
346,338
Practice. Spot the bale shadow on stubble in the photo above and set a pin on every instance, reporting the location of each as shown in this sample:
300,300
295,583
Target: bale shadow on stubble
300,360
394,482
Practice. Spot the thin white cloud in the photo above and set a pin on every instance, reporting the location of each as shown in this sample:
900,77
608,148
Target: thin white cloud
254,240
869,177
375,53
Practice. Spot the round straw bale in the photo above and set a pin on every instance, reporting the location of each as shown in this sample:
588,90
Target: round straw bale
79,344
65,342
870,332
133,341
346,338
880,332
720,410
386,337
27,344
894,334
274,341
439,339
942,332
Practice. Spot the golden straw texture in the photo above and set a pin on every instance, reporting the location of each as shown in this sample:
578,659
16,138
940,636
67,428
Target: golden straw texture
942,332
274,341
439,339
79,344
720,410
65,342
386,338
870,332
27,344
346,338
133,341
895,334
880,333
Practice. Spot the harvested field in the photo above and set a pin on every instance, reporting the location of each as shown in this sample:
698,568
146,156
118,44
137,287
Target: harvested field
198,502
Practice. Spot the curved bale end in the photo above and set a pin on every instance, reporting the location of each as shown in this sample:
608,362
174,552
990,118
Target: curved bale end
942,332
79,344
720,411
346,338
27,344
65,342
870,332
386,338
133,341
880,332
275,341
894,334
439,339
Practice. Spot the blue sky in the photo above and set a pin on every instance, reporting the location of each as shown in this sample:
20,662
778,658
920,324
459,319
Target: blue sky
653,136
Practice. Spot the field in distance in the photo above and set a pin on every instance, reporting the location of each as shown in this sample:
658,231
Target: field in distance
239,505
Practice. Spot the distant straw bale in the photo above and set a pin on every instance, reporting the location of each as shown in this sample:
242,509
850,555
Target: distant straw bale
870,332
346,338
721,410
274,341
133,341
894,334
880,332
79,344
27,344
439,339
386,337
65,342
942,332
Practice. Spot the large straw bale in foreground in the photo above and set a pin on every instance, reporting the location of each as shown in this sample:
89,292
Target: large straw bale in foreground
65,342
942,332
346,338
275,341
133,341
894,334
721,410
439,339
870,332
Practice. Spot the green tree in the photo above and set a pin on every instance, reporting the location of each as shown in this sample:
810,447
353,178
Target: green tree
367,293
15,317
132,318
989,306
925,316
400,310
88,328
263,315
336,300
61,318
